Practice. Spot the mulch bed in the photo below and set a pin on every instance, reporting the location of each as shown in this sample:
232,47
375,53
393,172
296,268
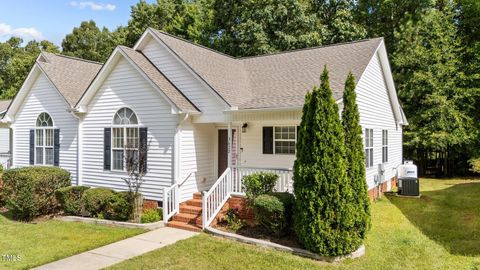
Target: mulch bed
258,232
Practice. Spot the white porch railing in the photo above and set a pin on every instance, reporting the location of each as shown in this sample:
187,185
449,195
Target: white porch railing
231,182
171,202
172,198
6,160
217,196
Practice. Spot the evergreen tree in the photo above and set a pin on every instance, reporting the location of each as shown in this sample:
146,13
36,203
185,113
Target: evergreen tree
324,217
429,79
355,158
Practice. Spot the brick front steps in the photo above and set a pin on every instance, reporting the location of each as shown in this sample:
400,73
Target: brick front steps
190,215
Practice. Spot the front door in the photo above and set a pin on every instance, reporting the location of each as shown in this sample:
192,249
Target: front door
223,149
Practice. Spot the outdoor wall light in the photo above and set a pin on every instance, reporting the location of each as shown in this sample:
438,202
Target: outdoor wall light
244,127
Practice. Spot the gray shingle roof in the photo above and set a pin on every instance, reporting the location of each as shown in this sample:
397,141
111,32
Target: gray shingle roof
274,80
159,79
4,105
71,76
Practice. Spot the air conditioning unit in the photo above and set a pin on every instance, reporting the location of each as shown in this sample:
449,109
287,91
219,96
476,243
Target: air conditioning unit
408,184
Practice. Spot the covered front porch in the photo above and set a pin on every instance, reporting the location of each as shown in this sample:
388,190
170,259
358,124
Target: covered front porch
214,158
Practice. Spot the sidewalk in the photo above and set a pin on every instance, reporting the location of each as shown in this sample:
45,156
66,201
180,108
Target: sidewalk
120,251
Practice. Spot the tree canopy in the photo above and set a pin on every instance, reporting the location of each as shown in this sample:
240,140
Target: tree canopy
434,46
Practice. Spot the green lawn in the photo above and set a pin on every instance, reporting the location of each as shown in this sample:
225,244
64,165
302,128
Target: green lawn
47,241
439,231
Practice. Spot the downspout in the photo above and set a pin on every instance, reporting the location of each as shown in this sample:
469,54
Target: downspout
74,112
176,151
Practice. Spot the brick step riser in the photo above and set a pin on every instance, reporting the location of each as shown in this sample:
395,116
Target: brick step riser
194,203
197,196
195,221
183,227
190,211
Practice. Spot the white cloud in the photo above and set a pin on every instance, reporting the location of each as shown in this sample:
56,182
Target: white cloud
93,6
23,32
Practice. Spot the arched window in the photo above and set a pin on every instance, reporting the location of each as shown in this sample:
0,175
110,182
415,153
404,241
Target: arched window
44,140
125,140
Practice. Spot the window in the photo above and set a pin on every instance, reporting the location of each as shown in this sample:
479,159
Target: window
285,139
384,146
368,147
44,140
125,139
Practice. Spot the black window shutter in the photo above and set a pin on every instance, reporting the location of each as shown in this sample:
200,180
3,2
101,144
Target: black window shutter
107,141
32,146
268,140
298,132
56,147
143,150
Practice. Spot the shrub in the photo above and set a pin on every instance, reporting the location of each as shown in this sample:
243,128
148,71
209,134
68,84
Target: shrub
355,163
119,207
96,200
233,220
259,183
151,215
324,214
70,199
30,191
475,163
105,203
274,212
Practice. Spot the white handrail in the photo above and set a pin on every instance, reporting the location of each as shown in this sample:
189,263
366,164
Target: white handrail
171,202
214,199
231,182
171,199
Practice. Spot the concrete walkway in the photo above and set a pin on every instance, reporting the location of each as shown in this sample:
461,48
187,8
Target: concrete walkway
120,251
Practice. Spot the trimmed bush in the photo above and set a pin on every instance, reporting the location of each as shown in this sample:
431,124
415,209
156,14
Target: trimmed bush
70,199
324,214
151,215
259,183
30,191
118,207
105,203
96,200
274,212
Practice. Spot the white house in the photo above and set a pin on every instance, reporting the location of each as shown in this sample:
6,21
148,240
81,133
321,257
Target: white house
201,118
4,137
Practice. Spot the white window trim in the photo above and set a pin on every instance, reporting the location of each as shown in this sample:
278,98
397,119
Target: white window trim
385,146
124,128
369,137
44,142
124,148
285,140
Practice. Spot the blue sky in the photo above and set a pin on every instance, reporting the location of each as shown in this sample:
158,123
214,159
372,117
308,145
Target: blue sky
53,19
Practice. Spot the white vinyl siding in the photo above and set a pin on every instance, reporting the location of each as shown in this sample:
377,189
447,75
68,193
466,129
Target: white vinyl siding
4,140
376,113
4,144
197,158
43,97
204,98
126,87
251,146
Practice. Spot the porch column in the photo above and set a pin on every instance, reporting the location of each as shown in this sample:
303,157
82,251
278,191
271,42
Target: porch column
229,144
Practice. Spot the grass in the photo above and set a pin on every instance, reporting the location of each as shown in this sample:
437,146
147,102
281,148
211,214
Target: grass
51,240
439,231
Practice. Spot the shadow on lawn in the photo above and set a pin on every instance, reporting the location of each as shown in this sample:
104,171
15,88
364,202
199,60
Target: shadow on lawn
449,216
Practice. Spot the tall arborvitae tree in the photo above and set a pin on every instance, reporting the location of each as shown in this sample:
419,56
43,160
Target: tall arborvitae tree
355,158
324,218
